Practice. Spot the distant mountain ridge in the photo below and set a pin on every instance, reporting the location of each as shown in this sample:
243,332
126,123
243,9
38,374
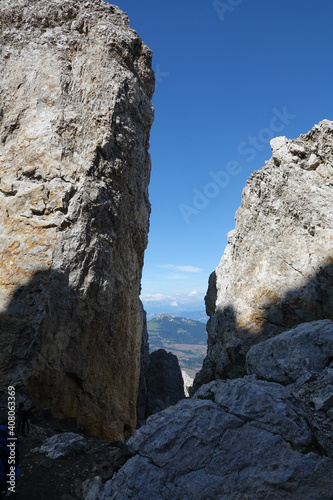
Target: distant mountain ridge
184,337
177,330
195,315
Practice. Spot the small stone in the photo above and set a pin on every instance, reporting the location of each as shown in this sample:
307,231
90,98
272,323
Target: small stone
28,170
313,162
92,488
64,445
324,402
297,149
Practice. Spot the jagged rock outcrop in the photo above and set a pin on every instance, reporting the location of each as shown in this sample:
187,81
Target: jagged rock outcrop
165,384
277,269
75,117
161,381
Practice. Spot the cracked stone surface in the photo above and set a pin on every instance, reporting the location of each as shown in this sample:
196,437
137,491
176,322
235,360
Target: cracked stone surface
302,358
314,393
292,354
236,439
277,268
75,118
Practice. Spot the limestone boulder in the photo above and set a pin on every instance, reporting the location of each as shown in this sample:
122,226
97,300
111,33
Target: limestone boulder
302,358
75,117
239,438
290,355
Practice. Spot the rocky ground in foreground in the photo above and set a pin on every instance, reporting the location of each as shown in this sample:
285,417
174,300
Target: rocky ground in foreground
43,477
265,436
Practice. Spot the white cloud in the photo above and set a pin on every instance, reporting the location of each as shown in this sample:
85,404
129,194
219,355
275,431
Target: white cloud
185,269
178,300
156,297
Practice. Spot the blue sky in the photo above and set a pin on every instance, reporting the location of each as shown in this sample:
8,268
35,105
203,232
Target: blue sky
230,75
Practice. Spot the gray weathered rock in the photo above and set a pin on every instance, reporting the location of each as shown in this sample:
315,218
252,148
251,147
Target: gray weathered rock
76,84
324,401
291,354
64,445
302,356
314,393
164,381
277,269
95,489
238,439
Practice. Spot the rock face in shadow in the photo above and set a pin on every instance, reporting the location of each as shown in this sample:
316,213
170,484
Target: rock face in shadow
142,400
74,210
277,268
164,381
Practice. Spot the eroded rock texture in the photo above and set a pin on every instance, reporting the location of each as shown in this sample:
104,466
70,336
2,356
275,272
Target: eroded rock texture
75,117
303,359
291,354
236,439
277,269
